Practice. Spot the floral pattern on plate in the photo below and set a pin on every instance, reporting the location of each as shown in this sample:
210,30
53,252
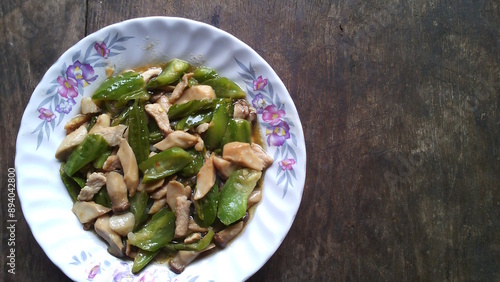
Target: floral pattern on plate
71,82
279,129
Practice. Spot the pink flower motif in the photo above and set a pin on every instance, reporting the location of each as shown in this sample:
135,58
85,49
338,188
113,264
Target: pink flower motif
272,115
287,164
259,83
102,49
67,87
278,133
93,272
46,114
82,73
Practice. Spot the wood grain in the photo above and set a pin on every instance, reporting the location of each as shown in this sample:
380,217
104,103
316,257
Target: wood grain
399,102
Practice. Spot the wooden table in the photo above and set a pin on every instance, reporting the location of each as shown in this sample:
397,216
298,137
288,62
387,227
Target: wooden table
399,103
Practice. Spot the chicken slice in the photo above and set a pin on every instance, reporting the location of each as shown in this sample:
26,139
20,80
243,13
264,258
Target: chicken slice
94,183
129,164
205,178
177,138
163,101
196,92
176,189
245,155
160,115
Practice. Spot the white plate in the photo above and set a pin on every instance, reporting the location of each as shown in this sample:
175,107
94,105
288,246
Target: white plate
80,254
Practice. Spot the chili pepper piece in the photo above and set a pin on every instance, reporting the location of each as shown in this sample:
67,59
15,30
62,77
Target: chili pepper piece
226,88
206,207
138,206
72,187
123,87
90,149
238,130
193,120
202,74
234,195
193,167
138,133
155,234
164,164
197,246
142,259
173,71
215,132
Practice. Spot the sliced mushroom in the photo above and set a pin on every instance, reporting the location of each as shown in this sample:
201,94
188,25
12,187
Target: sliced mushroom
122,223
205,178
225,168
129,164
194,227
241,109
112,163
183,258
88,211
254,198
193,238
177,138
70,142
202,127
150,73
182,206
160,193
112,134
150,187
196,92
157,205
161,117
89,107
245,155
76,122
114,240
117,191
179,88
94,183
222,238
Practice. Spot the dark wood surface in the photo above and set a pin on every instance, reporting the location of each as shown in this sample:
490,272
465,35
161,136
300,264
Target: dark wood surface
399,102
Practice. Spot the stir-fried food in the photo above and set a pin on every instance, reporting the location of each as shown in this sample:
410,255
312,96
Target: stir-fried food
164,160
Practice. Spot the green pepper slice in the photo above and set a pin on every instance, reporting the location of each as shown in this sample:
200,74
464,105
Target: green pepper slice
215,132
206,207
202,74
138,133
197,246
123,87
90,149
69,182
173,71
157,233
225,88
142,259
164,164
139,207
234,194
178,111
99,162
193,167
238,130
194,120
102,198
